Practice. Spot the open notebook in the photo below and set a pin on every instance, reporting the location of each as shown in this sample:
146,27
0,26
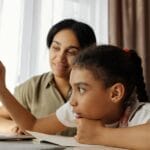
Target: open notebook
66,141
8,136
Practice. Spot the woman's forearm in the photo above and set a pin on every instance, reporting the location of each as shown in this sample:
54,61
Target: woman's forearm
136,137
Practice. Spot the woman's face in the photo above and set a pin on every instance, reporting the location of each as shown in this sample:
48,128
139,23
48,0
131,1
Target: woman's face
90,99
63,50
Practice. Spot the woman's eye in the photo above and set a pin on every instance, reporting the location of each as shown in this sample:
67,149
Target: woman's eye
55,48
72,52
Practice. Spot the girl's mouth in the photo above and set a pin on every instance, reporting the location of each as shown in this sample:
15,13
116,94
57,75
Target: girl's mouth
77,115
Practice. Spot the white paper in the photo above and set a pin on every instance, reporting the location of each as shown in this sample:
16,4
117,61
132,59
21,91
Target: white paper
8,136
66,141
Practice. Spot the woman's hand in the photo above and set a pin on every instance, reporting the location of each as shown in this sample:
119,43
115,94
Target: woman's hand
88,131
17,130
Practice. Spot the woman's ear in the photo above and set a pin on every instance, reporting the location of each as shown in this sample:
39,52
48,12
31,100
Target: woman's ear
117,92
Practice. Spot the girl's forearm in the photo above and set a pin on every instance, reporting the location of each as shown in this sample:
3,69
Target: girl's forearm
136,137
20,115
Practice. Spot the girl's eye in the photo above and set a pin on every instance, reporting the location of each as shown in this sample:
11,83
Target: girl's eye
81,90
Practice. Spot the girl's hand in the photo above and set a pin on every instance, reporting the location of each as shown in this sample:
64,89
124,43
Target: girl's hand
2,76
88,130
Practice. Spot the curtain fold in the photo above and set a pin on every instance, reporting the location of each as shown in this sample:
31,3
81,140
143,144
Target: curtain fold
129,27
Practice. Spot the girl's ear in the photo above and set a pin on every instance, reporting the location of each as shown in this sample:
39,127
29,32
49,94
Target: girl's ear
117,92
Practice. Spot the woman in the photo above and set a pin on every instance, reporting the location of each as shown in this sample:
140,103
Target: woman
43,94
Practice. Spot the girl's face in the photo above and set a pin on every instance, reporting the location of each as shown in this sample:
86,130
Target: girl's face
63,50
90,99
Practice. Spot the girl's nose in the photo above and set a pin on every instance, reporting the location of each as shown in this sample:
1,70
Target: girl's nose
73,101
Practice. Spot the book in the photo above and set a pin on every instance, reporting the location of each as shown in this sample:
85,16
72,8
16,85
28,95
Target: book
67,141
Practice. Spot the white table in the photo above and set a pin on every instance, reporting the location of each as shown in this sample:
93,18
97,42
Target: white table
27,145
36,145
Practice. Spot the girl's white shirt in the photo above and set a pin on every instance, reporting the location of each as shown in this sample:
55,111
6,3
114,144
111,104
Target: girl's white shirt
140,114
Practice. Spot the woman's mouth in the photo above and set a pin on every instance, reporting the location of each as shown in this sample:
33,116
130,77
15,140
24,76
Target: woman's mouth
60,65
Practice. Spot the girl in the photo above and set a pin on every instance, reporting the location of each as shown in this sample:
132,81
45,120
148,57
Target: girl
105,81
120,74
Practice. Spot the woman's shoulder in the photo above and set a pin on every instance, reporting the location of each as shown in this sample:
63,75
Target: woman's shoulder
37,78
43,76
35,81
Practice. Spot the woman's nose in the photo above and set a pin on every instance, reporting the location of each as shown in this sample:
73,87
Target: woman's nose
62,57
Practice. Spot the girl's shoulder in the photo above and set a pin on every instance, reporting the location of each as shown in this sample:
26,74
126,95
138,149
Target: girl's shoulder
140,114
